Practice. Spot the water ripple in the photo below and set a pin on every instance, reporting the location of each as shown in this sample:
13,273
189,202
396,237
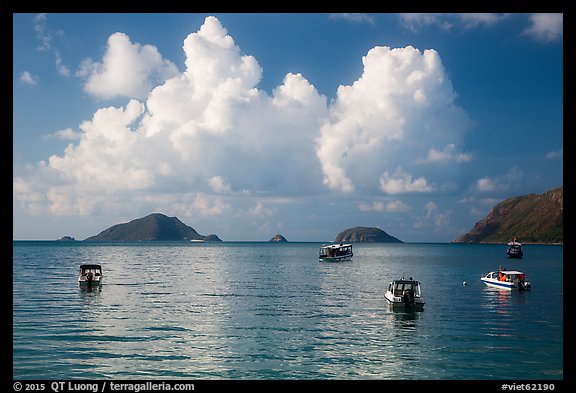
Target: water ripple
260,311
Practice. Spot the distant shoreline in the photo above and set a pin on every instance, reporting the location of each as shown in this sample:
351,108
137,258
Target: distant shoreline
259,241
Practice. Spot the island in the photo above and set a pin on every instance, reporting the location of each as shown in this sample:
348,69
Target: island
278,239
365,235
531,218
66,239
153,227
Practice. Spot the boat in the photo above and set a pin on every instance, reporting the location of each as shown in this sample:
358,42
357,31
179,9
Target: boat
405,294
90,275
506,279
336,252
514,249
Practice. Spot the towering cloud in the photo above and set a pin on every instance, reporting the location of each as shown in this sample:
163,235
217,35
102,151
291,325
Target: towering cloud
208,133
402,106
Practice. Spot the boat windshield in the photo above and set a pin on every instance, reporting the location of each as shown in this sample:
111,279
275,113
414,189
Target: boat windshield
401,287
94,271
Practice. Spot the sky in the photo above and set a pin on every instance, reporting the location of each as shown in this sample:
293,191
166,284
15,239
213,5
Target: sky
248,125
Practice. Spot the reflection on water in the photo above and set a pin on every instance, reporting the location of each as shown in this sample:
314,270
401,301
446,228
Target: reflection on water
507,307
90,288
90,299
403,318
260,311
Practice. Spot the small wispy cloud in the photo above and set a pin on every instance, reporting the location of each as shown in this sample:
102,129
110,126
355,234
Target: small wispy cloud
545,27
384,206
434,218
447,22
485,184
66,134
43,34
62,69
448,154
510,180
260,210
555,153
402,182
46,36
354,18
28,79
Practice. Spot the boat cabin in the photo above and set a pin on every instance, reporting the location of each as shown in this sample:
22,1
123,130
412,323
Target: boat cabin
506,279
96,270
336,252
405,294
506,276
90,274
400,287
514,250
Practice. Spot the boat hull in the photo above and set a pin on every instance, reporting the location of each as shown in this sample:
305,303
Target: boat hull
84,282
508,286
397,302
336,259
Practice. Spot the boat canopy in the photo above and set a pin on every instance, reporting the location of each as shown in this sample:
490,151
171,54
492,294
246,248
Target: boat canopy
335,246
90,266
510,272
405,281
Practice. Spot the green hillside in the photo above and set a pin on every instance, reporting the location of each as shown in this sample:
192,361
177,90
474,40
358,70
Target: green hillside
533,218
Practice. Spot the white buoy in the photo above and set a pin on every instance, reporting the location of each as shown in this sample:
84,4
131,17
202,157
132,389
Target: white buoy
464,283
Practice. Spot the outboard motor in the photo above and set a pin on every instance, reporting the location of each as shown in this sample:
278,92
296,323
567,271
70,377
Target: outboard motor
89,278
523,285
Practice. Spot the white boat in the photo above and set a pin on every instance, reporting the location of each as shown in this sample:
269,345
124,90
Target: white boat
506,279
336,252
90,275
406,294
514,249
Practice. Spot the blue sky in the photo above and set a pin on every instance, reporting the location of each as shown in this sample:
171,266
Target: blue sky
248,125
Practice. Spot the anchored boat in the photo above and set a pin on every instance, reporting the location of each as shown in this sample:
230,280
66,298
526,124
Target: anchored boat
336,252
406,294
514,249
506,279
90,275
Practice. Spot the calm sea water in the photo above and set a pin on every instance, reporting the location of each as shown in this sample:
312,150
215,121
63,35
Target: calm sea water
273,311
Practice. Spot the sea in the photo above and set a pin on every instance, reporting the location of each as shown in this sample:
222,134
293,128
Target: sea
273,311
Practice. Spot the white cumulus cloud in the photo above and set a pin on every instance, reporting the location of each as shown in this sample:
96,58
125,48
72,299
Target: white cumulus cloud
197,141
127,69
402,104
